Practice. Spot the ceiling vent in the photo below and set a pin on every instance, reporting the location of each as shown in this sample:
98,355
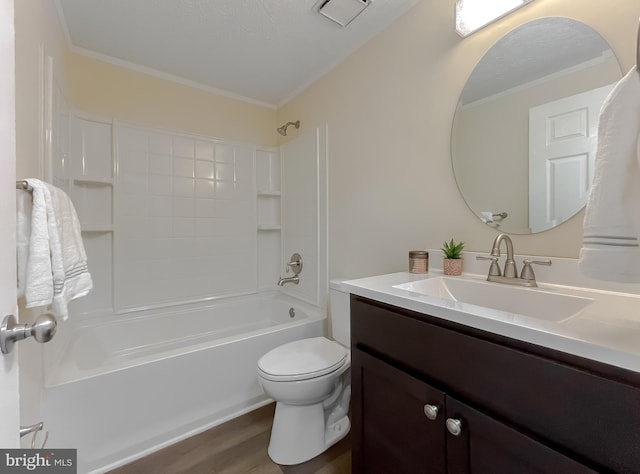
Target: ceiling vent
342,11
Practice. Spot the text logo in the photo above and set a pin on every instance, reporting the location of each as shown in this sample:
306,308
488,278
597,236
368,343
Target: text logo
50,461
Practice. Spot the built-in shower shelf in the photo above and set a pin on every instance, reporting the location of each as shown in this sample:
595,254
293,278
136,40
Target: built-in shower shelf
86,181
269,227
97,228
268,218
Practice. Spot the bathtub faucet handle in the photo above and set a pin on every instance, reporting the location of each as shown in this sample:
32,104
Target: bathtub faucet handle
295,264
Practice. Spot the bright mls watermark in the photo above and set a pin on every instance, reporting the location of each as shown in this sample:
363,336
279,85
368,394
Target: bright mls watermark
50,461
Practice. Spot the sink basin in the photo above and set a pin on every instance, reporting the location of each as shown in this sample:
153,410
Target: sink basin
531,302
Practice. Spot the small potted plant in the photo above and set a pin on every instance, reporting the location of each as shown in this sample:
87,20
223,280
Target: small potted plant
452,263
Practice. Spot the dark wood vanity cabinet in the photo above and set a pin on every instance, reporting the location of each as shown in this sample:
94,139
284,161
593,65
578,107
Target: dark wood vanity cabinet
438,397
389,420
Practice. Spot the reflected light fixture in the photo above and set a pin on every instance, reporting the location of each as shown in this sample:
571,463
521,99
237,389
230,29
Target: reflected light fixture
471,15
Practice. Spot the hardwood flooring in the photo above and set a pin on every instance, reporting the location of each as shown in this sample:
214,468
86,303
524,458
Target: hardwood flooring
236,447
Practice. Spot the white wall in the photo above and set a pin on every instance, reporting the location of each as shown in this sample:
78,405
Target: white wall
389,108
38,34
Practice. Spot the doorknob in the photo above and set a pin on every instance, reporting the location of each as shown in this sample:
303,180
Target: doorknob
42,330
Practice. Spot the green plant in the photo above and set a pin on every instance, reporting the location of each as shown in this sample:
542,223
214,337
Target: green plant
452,249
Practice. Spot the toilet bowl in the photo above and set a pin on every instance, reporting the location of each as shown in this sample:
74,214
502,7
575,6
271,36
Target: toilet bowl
310,380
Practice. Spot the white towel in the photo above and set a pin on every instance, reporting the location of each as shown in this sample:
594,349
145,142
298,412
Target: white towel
56,269
38,281
487,217
610,248
23,234
74,280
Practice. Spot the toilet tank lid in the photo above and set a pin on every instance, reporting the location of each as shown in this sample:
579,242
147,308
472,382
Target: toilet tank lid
316,354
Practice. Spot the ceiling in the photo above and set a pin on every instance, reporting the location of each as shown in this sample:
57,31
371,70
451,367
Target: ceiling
535,50
263,51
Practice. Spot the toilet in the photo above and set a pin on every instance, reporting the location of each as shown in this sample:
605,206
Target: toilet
310,380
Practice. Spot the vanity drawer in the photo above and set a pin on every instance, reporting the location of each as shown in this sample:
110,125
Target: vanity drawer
590,417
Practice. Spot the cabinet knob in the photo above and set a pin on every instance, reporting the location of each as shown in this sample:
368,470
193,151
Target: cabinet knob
454,426
431,411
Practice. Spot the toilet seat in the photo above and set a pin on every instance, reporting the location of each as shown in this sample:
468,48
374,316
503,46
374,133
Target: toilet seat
302,360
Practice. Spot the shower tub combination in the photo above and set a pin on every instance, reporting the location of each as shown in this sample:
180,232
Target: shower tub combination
122,389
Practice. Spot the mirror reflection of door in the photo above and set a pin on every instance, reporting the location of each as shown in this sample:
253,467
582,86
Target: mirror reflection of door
562,149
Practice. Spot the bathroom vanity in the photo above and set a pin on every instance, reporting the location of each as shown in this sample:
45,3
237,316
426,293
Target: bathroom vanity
431,393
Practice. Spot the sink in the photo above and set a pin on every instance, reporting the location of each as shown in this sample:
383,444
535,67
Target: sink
531,302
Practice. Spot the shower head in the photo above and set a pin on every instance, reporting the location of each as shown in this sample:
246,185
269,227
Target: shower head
283,130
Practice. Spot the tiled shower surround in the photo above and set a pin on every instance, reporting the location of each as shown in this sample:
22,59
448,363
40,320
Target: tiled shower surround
168,218
185,217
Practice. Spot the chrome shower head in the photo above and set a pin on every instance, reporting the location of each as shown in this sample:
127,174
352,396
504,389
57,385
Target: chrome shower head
283,130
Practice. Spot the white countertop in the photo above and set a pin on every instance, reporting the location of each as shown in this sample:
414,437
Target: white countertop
608,330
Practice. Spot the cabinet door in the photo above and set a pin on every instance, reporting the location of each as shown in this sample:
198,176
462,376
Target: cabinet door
484,445
391,430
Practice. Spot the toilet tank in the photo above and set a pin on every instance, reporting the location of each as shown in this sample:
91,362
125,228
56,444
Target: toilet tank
339,308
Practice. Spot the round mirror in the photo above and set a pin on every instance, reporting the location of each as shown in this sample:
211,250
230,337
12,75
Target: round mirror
525,130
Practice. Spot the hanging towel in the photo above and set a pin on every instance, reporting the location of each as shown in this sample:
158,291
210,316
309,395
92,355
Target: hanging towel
610,247
23,234
56,269
71,277
36,264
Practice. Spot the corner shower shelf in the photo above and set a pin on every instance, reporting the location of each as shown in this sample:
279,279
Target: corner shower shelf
93,181
269,227
268,193
96,227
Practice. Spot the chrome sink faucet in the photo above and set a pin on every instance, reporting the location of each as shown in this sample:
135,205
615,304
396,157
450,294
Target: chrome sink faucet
510,276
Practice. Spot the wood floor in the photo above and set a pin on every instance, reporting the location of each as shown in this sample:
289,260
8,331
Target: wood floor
236,447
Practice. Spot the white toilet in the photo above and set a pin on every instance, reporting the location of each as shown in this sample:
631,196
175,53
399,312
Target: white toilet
310,379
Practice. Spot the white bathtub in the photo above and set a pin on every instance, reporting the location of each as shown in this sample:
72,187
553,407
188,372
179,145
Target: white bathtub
119,390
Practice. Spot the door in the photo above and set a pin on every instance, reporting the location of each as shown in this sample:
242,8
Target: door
562,149
482,445
398,421
9,400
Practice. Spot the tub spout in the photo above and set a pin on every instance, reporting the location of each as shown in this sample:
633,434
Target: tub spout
294,279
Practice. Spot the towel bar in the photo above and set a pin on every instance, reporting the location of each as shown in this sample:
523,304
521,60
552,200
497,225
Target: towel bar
24,186
35,429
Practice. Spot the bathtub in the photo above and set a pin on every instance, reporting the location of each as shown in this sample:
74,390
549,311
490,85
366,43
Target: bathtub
121,389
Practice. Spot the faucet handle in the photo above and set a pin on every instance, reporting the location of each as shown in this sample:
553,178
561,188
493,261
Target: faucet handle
295,263
494,269
527,271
